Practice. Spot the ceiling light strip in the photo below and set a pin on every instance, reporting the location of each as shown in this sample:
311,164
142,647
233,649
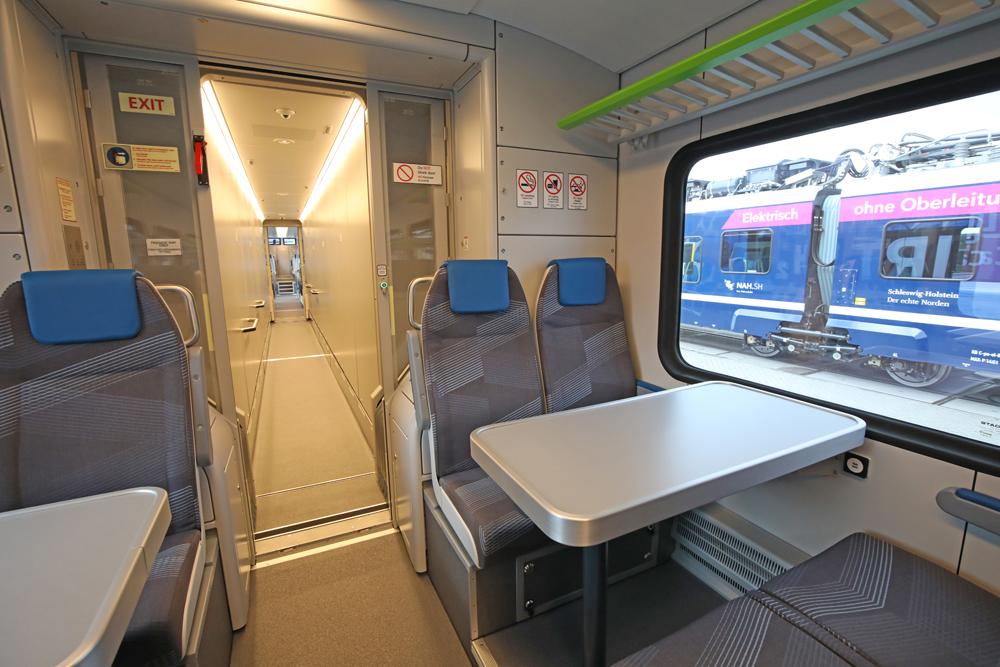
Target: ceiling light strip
787,23
325,172
233,155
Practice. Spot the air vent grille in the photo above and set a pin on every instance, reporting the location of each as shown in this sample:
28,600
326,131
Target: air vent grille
736,564
283,132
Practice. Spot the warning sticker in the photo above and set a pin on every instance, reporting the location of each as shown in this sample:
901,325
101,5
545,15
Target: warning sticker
553,184
139,103
527,188
577,192
141,158
158,247
65,189
421,174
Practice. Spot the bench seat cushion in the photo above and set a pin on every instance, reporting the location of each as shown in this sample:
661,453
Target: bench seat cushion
154,636
497,525
893,607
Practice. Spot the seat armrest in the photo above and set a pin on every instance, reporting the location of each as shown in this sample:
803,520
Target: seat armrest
976,508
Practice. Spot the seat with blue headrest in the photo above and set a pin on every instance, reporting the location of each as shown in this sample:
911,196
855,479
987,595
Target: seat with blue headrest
95,389
582,343
480,368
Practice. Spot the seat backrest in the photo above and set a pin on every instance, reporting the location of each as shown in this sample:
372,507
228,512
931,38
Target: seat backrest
582,344
105,408
479,356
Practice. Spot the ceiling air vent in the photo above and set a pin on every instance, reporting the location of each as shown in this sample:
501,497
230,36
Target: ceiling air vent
282,132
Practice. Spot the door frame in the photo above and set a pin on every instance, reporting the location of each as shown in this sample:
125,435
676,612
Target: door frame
272,222
379,203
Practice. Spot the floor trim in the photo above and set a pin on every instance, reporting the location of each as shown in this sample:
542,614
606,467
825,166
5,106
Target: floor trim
309,486
326,531
319,521
305,553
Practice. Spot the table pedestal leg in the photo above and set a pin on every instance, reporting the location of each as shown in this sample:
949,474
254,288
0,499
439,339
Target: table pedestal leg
595,605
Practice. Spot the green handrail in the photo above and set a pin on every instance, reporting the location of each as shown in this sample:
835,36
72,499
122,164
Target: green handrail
789,22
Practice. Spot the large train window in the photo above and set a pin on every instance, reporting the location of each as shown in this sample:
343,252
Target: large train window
692,259
853,260
746,251
931,249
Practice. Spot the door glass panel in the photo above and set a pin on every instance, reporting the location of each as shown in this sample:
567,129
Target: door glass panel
417,213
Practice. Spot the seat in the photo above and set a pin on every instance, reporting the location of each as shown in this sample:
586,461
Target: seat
95,398
862,602
480,368
582,343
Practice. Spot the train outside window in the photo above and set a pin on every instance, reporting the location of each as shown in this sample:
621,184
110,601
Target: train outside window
858,266
692,259
931,249
746,251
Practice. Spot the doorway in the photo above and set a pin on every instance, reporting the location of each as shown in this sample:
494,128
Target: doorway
284,244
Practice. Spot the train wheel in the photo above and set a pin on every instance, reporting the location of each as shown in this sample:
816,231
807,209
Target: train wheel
917,375
765,348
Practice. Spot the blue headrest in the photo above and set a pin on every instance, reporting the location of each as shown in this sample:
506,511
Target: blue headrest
478,285
582,280
81,306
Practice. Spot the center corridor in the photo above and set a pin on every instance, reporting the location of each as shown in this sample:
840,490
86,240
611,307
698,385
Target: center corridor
311,460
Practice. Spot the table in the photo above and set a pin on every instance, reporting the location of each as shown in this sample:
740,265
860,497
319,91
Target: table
72,573
589,475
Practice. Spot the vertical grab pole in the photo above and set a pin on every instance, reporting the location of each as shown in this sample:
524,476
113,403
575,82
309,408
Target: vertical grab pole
595,605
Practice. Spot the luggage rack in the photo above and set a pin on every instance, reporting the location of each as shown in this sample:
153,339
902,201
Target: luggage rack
809,41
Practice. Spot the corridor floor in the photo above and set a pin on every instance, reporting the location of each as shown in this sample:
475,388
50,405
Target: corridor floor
310,459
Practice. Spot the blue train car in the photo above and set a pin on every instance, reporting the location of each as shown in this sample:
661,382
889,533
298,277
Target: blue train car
746,261
915,279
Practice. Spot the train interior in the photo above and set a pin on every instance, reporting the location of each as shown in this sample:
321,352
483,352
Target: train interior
466,332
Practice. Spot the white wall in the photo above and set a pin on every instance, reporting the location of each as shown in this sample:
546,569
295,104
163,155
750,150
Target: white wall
42,124
337,238
814,508
245,272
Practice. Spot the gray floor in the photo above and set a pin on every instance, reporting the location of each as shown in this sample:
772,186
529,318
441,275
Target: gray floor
357,605
310,458
288,307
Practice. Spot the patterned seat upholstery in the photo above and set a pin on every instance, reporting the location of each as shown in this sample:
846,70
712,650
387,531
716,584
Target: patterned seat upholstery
480,368
81,419
862,602
582,344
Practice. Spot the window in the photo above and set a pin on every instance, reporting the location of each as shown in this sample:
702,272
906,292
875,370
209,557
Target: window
289,240
859,262
692,259
273,241
931,249
746,252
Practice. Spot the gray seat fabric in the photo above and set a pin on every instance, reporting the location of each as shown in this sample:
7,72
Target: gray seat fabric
480,368
863,603
498,526
83,419
155,633
583,350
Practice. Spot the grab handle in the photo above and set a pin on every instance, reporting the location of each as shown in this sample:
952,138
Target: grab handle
252,327
189,303
410,291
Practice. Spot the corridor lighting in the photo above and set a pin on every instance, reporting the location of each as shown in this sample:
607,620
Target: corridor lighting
328,171
282,232
232,155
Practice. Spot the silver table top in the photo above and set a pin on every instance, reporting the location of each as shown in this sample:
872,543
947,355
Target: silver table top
71,574
589,475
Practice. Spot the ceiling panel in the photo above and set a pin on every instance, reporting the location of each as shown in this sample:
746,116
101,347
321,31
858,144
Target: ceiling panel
257,128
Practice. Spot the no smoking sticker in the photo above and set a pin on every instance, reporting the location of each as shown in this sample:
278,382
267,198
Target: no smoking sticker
527,188
553,184
420,174
577,192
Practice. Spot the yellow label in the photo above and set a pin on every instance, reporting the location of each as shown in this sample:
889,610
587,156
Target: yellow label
66,204
139,103
859,301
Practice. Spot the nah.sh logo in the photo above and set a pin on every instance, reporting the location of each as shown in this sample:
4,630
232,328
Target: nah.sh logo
730,285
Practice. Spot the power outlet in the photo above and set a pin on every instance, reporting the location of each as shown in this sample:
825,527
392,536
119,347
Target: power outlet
856,465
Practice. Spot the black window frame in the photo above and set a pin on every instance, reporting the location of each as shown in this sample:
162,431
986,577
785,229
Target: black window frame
722,250
884,247
699,244
949,86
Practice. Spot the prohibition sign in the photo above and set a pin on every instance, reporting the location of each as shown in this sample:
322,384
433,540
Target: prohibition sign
526,182
553,184
577,186
405,173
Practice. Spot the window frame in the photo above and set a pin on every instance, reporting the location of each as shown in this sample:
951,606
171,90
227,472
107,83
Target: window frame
948,86
884,247
745,231
700,248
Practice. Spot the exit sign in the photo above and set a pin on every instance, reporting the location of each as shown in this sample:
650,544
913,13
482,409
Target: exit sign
139,103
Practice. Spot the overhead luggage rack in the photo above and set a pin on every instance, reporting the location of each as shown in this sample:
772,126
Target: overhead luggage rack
811,40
